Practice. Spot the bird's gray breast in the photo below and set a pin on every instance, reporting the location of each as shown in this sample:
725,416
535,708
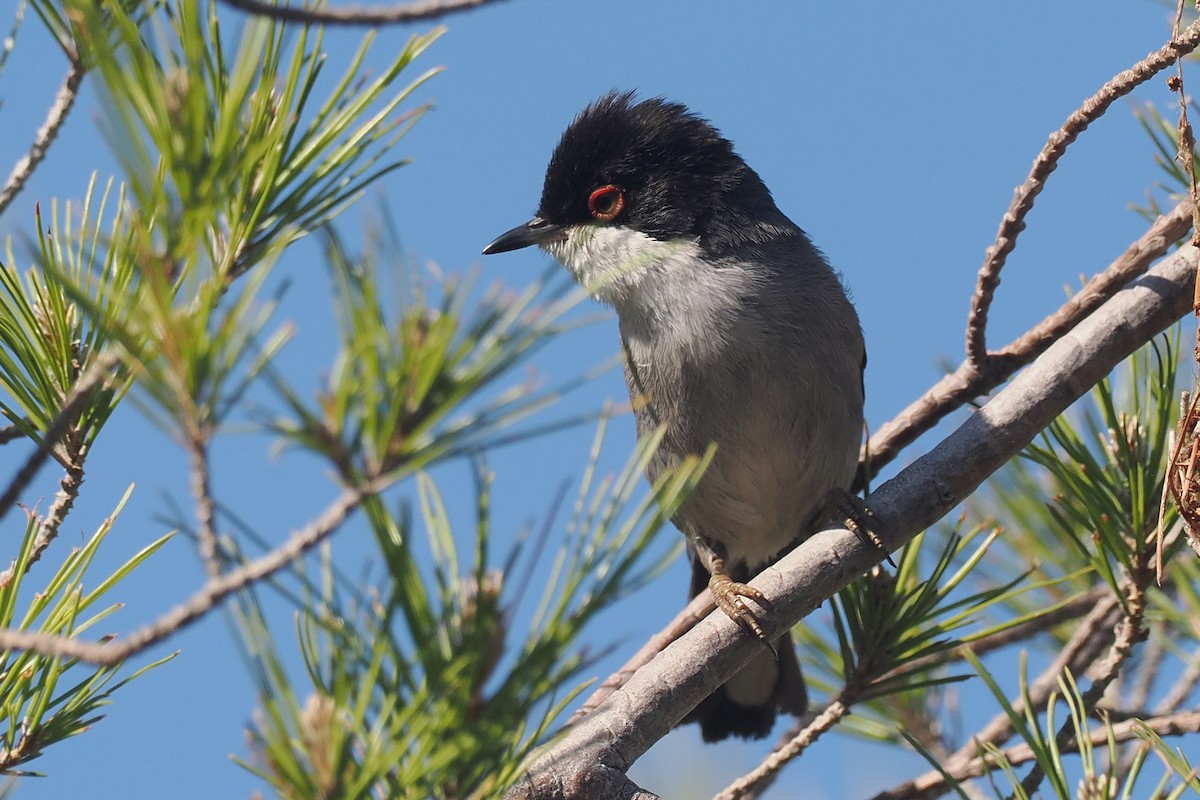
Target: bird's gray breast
766,365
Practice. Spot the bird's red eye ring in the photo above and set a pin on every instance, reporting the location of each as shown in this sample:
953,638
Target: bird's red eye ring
606,202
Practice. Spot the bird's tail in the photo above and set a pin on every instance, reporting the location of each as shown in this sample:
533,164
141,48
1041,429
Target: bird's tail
746,705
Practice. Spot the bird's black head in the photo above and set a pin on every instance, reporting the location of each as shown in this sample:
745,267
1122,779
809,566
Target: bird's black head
651,166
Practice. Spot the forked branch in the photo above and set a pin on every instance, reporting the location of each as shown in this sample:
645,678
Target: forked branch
1014,219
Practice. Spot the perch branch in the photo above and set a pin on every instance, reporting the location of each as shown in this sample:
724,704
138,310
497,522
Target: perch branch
601,747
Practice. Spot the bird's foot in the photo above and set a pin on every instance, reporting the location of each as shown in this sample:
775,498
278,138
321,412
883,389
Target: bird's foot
859,519
729,595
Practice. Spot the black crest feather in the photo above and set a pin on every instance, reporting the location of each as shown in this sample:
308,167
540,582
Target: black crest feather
677,171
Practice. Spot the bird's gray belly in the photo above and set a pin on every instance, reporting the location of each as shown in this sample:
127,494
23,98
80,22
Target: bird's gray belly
782,443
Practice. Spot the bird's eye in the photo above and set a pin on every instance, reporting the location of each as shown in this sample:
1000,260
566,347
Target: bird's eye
606,202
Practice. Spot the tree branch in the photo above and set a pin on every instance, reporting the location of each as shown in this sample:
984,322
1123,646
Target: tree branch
753,783
1013,221
660,694
1083,648
95,376
1148,668
1071,609
206,529
202,602
1170,725
384,15
700,607
64,501
807,730
63,102
1183,687
950,393
968,382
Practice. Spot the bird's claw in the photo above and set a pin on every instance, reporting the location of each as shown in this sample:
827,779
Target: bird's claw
860,520
728,594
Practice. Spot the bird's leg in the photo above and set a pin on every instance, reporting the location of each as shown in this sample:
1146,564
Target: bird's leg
859,519
728,594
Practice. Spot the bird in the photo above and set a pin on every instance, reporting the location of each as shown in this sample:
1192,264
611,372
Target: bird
734,331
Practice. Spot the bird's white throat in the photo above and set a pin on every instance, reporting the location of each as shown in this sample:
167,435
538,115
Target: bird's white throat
665,293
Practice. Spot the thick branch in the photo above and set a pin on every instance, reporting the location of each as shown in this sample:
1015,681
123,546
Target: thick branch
700,607
665,690
806,730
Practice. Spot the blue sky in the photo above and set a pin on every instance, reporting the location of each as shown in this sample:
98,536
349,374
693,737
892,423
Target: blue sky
892,133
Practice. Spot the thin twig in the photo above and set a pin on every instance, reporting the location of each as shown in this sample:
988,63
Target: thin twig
203,601
63,102
10,433
64,501
1167,725
1148,668
1183,687
206,530
967,382
1022,631
1014,219
1084,646
95,376
1141,695
47,531
354,15
1128,633
10,41
753,783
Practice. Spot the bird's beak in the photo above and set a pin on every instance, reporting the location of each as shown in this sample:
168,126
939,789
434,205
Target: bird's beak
536,231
